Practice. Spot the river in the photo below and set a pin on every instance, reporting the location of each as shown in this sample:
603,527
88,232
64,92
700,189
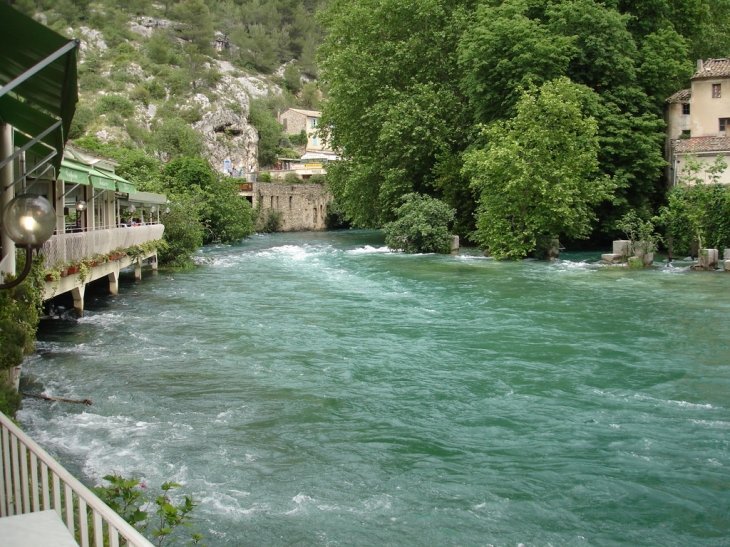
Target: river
316,390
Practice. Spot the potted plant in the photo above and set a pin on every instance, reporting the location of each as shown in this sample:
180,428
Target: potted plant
73,269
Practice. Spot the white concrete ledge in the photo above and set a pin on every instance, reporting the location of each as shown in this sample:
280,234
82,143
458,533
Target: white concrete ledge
34,530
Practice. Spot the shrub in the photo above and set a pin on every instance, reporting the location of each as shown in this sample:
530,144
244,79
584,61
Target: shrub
300,139
140,94
155,89
317,179
115,103
292,178
183,232
81,121
265,177
269,221
422,226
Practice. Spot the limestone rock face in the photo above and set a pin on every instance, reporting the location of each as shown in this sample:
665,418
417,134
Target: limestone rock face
228,136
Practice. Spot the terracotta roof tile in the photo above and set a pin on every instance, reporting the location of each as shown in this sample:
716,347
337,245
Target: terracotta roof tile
713,68
701,144
680,96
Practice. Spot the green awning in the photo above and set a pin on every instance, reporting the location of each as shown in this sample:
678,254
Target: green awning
75,173
126,187
102,180
123,185
38,77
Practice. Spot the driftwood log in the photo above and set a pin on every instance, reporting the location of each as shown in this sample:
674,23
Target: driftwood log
59,399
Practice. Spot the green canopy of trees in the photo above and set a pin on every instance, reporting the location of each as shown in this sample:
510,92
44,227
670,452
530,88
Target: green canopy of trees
412,84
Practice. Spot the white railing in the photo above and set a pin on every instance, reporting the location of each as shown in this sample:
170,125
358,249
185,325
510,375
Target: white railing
31,480
74,247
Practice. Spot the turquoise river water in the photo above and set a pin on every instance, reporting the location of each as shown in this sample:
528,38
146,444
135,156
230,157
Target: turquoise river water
317,390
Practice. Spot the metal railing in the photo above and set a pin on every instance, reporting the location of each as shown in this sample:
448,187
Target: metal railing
31,480
75,247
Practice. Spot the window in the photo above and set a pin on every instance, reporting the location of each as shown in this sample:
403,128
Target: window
285,123
716,91
685,108
724,124
686,134
313,123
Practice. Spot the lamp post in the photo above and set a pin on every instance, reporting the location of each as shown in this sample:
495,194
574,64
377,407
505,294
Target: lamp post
80,208
28,220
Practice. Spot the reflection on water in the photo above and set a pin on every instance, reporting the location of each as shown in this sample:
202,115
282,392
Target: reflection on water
315,389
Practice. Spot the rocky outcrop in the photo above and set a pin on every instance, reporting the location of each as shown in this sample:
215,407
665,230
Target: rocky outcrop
228,136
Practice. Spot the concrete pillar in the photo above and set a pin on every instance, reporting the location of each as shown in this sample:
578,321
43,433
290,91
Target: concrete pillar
621,247
78,295
113,282
138,269
153,263
14,377
707,259
6,178
726,260
454,245
644,252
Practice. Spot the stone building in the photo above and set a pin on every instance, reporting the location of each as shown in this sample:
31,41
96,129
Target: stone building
698,119
296,120
303,207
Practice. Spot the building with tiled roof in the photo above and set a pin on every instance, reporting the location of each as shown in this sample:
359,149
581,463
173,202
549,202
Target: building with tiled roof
712,68
698,119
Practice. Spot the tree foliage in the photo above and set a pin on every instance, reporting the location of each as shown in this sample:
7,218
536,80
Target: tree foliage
421,226
537,175
410,82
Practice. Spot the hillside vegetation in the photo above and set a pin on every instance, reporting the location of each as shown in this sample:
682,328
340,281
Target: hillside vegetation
158,96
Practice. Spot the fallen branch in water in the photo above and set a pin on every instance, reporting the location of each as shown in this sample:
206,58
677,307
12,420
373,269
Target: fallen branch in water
59,399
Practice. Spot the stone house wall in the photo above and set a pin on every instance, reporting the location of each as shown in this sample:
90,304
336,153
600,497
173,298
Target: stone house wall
303,207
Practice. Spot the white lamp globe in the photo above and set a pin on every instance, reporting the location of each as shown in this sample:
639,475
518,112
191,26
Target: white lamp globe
29,220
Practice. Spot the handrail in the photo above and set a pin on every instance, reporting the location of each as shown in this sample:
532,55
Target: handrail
23,491
73,247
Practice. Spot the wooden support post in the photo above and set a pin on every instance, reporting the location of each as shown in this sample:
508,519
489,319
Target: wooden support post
78,295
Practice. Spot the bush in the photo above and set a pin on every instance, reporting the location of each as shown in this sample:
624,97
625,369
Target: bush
317,179
115,103
292,178
697,216
140,94
81,121
300,139
231,218
183,232
155,89
268,221
422,226
265,177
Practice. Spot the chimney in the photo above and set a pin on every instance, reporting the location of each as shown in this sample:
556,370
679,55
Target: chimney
700,65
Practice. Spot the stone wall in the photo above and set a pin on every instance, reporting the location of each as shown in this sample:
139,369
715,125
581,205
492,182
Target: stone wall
303,207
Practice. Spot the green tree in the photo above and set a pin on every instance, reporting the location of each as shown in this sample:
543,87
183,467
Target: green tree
537,176
421,226
184,231
269,130
231,216
159,47
174,138
195,15
395,100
